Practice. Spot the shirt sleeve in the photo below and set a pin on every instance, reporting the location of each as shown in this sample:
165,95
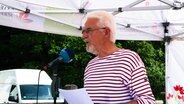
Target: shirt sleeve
140,87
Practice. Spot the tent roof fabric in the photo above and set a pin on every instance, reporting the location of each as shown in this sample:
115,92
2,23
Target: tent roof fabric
136,19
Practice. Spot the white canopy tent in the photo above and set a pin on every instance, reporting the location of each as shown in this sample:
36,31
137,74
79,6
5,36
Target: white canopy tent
154,20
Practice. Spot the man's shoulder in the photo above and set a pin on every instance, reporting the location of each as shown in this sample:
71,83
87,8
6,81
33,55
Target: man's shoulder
128,51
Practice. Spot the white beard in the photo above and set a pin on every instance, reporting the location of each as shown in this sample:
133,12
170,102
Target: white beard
91,49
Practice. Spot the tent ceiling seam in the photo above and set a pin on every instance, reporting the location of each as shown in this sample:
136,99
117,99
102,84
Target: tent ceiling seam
129,26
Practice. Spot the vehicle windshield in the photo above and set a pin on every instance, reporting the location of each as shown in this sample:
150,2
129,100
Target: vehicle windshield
29,92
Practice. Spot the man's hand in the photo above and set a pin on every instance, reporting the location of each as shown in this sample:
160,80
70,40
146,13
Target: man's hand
133,102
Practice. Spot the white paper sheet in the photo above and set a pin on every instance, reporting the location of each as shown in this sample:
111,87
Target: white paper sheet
76,96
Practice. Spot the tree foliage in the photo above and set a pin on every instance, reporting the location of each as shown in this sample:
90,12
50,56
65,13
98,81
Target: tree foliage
28,49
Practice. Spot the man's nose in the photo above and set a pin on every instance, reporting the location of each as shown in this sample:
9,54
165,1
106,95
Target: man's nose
84,35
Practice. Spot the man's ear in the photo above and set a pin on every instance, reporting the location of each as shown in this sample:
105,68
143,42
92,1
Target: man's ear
107,32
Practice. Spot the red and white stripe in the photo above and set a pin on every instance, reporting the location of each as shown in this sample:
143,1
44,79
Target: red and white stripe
118,78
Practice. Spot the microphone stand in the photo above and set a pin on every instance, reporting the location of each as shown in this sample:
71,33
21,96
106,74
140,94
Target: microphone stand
55,85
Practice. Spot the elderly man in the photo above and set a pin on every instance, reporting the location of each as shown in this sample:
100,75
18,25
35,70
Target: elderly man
115,75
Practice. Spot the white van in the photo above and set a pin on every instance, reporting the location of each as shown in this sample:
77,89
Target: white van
20,86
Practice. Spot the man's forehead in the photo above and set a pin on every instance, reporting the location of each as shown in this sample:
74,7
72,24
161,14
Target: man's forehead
90,23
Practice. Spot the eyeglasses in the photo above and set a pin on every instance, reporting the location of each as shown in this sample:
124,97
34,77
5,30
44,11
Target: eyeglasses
88,30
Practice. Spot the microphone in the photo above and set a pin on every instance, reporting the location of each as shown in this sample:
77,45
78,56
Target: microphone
65,55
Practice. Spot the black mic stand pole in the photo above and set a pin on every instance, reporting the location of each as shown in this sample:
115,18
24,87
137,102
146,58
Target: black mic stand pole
55,85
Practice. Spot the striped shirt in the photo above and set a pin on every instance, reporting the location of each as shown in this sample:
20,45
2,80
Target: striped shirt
118,78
